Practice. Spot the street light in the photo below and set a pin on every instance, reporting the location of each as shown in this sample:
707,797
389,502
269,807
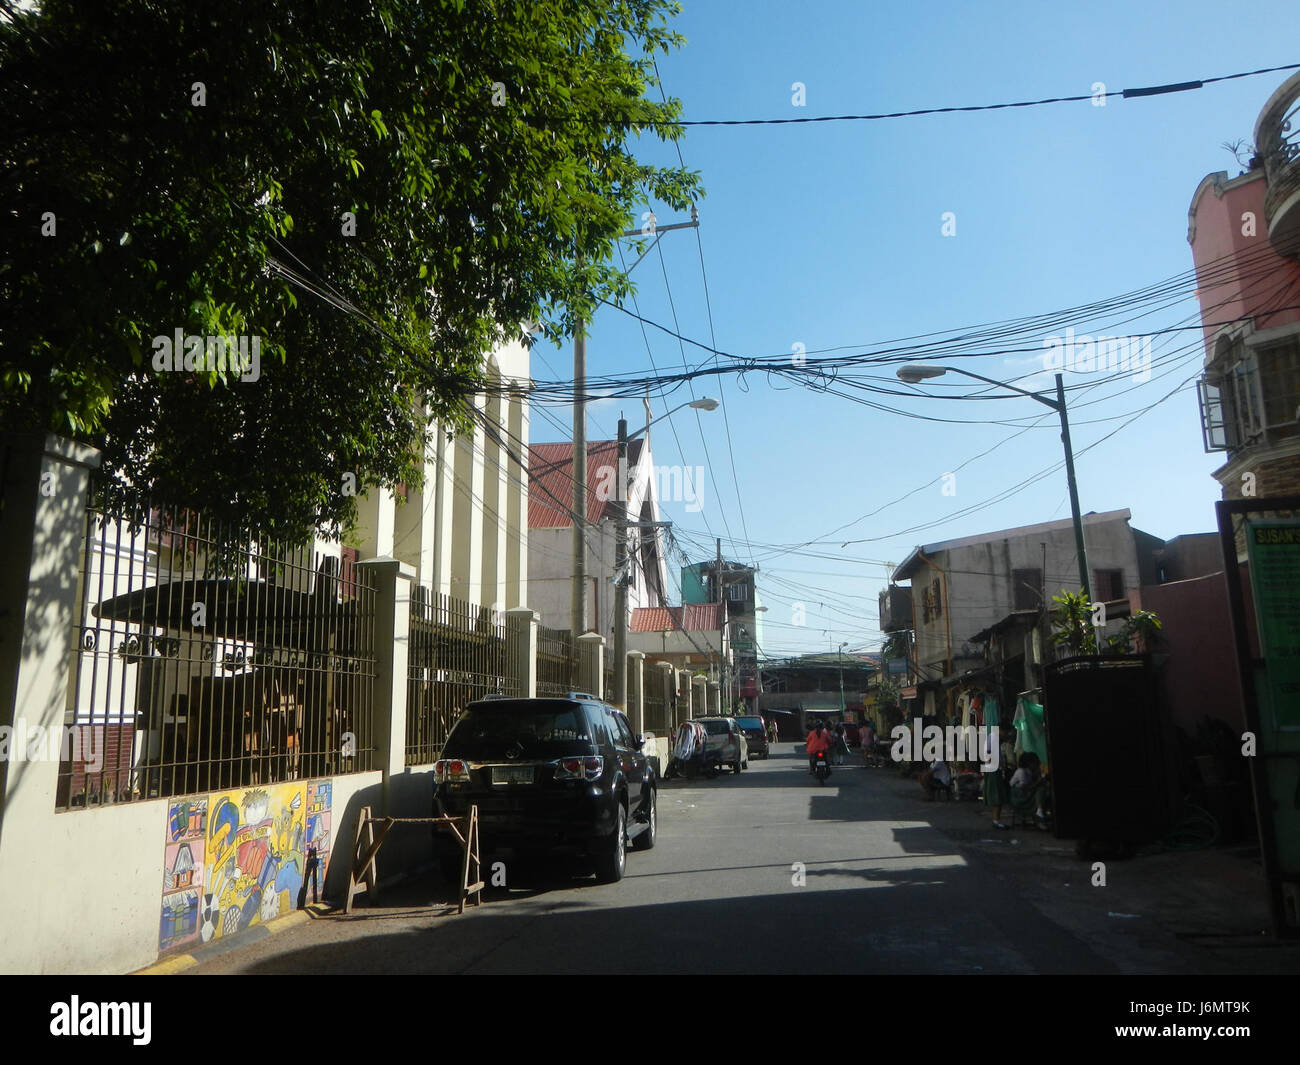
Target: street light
914,373
620,545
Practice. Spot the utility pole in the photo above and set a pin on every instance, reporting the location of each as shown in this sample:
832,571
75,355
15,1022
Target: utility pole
722,633
620,579
621,525
842,707
578,597
578,601
1084,583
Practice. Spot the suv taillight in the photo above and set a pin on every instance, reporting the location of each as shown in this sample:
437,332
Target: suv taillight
587,768
451,771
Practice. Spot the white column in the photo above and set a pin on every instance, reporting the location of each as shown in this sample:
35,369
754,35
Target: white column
392,629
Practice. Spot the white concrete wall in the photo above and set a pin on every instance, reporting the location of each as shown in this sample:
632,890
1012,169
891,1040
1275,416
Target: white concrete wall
977,580
464,531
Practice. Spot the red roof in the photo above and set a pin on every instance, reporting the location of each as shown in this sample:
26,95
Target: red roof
694,617
550,481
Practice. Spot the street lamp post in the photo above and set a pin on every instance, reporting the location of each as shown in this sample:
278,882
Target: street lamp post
620,543
915,373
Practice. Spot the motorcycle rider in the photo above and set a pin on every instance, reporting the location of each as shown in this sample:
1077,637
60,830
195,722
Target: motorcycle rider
819,739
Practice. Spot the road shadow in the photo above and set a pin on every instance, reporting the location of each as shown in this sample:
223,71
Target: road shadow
790,929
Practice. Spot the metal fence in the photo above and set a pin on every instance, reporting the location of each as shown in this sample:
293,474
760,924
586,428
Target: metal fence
555,662
207,660
658,713
457,654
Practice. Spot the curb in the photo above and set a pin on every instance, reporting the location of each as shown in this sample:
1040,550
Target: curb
178,963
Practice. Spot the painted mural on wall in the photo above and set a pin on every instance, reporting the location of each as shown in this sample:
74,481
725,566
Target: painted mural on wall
183,868
239,858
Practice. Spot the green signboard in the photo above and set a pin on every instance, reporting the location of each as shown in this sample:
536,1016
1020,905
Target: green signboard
1273,548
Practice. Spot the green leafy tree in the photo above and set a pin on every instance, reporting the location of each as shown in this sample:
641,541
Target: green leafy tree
381,191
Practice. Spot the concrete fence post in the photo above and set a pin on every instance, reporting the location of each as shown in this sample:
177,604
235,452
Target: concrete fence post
715,697
636,690
392,631
667,688
521,651
591,664
700,695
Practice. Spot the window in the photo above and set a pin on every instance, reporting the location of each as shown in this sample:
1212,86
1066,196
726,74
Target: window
1026,589
1107,585
600,724
1250,395
622,732
736,592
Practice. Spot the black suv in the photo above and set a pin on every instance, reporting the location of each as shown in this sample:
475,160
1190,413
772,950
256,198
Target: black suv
558,775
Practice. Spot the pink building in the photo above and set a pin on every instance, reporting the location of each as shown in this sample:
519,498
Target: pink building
1245,238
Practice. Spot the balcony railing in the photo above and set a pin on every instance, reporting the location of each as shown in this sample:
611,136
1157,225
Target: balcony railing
1277,143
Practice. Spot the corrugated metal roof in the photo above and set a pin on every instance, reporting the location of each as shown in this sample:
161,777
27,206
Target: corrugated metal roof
694,617
550,481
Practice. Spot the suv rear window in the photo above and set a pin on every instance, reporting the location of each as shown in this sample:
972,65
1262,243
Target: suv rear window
750,722
539,729
715,726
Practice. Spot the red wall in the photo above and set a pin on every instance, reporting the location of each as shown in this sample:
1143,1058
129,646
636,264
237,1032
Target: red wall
1218,233
1200,677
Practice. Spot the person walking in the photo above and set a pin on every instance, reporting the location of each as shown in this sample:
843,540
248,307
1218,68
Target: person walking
868,742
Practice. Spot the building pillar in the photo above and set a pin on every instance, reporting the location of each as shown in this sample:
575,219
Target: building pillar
666,679
700,695
46,481
521,651
715,697
392,634
635,709
591,664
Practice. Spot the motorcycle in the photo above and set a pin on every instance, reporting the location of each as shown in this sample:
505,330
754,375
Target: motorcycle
822,767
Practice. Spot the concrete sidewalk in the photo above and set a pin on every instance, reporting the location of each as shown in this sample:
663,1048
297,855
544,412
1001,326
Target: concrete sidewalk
1204,909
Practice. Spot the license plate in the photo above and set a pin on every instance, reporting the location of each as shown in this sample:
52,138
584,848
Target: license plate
512,774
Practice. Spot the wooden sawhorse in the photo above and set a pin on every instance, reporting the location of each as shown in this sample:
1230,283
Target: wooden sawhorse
362,876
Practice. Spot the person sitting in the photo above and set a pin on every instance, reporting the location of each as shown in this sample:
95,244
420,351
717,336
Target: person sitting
1025,779
819,740
937,778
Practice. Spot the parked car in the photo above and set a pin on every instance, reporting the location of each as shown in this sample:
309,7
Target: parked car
755,730
726,737
548,775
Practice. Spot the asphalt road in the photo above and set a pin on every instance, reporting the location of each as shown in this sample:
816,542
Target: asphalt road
882,891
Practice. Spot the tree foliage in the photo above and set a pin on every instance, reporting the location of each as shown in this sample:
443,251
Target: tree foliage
1073,628
197,161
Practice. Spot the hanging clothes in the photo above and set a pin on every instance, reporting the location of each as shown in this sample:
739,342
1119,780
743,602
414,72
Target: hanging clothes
989,706
1031,731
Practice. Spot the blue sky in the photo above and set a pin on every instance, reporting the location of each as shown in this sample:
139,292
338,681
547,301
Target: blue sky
831,234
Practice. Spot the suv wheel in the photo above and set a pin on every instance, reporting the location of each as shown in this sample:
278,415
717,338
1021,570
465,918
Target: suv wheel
646,840
611,864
